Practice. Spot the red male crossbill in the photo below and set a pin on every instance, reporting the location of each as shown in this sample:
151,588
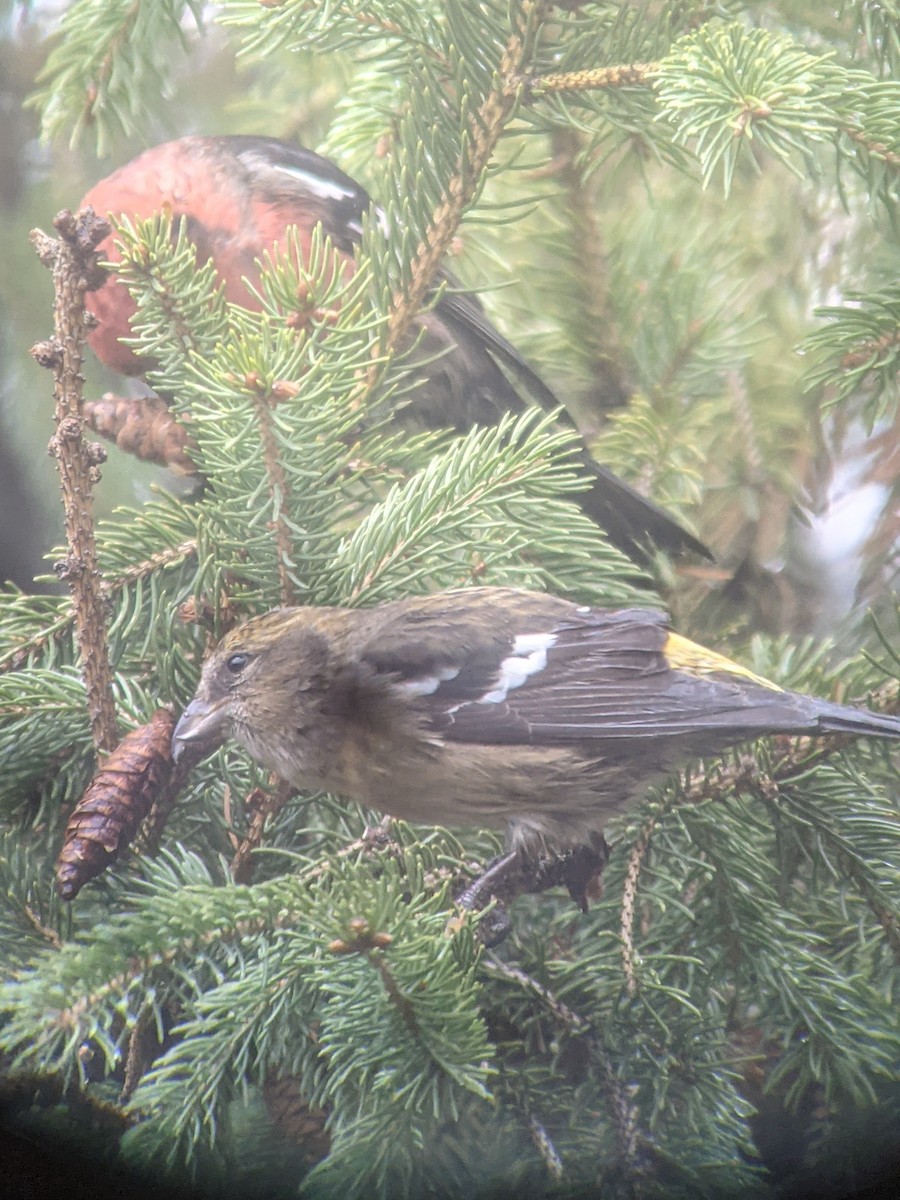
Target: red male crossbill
238,195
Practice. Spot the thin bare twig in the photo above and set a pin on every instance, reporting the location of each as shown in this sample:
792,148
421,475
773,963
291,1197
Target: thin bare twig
264,806
73,260
592,80
629,893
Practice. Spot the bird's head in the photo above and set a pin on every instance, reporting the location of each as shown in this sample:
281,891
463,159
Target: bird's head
262,679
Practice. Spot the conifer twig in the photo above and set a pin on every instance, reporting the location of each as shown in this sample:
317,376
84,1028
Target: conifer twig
141,1045
73,260
279,491
592,80
877,149
599,326
485,129
566,1016
629,892
545,1148
109,586
264,806
794,756
44,930
871,351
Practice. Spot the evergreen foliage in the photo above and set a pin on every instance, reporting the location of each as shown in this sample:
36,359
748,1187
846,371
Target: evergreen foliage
743,955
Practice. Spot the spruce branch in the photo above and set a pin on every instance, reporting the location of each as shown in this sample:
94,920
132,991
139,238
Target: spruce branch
108,59
636,856
543,1143
24,1090
724,87
264,807
632,1142
792,759
872,145
279,491
142,1044
181,309
623,1110
591,79
484,129
567,1017
296,23
857,350
888,919
73,260
598,330
60,627
45,931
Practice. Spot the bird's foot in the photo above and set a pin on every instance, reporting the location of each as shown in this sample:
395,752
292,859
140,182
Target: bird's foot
578,870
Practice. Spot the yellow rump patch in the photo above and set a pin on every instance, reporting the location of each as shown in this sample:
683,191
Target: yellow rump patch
684,655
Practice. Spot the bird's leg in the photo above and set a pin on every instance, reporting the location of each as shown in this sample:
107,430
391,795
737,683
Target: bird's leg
578,870
502,879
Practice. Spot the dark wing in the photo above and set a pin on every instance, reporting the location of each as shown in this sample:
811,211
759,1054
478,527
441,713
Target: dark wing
631,521
285,174
601,677
473,389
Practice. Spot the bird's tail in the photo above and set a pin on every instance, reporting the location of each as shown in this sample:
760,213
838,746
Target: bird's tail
631,521
837,718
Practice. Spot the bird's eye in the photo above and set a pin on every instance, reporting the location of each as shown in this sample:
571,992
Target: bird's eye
236,662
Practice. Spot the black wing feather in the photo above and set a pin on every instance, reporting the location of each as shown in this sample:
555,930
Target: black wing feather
608,680
629,519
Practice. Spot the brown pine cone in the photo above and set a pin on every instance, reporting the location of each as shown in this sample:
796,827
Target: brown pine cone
107,816
295,1118
143,426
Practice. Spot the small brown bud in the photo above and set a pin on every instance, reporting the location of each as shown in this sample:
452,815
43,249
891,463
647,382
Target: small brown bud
197,611
327,316
69,429
298,319
65,568
47,354
64,223
284,389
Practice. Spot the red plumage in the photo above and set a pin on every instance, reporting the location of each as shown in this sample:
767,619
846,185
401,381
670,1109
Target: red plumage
239,194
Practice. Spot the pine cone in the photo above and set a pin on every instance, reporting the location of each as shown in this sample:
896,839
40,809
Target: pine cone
143,426
107,816
295,1118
